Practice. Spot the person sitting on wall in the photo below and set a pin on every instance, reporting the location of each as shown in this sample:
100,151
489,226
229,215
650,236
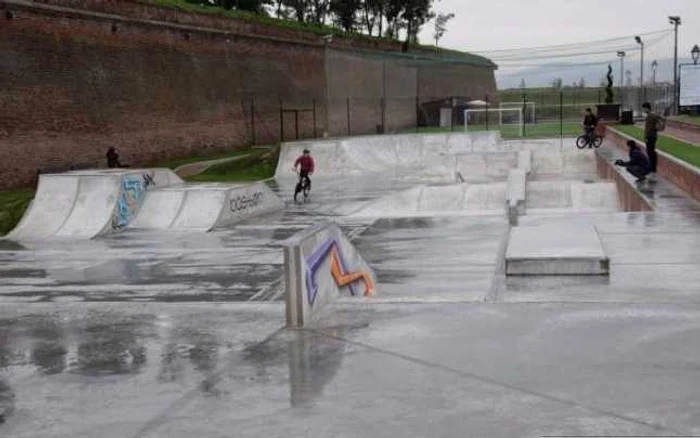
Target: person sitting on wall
113,159
638,165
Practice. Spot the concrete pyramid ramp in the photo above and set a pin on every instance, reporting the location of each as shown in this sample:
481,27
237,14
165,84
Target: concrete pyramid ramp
204,207
86,204
321,265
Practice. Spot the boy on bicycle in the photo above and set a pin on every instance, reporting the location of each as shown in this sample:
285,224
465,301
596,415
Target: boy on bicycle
306,168
590,122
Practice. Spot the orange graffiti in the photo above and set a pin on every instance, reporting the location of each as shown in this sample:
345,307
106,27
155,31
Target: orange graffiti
343,279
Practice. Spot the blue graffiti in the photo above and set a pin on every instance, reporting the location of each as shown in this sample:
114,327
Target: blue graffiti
133,190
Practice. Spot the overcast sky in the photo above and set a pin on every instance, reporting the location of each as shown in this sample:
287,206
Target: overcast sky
482,25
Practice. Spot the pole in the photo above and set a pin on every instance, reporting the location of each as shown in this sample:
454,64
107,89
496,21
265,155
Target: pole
642,91
296,124
313,106
252,122
486,99
561,114
417,113
676,89
523,111
349,130
281,122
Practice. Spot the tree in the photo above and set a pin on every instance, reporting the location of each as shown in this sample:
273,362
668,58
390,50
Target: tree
628,78
415,14
373,15
582,83
319,10
522,84
345,12
299,7
441,26
557,83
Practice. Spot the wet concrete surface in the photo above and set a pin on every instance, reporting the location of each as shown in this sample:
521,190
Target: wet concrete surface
449,348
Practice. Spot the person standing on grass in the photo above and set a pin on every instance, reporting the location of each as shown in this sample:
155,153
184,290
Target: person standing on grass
653,124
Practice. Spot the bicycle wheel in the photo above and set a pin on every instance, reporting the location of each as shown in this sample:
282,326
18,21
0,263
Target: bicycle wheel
582,142
597,141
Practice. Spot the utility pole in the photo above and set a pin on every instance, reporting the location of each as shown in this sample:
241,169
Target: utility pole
675,21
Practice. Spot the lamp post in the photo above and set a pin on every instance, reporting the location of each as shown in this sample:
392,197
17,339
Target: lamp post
621,54
675,21
642,90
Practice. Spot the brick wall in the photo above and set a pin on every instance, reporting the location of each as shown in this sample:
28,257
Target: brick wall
628,196
136,77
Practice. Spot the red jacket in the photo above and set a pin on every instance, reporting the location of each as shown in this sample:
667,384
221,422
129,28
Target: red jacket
306,162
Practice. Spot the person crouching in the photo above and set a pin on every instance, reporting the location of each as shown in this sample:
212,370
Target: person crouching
638,164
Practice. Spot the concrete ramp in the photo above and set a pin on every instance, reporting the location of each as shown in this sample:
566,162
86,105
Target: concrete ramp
431,154
321,265
571,196
440,200
204,207
86,204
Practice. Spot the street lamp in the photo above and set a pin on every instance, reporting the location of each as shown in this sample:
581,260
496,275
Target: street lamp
642,94
654,66
675,21
695,53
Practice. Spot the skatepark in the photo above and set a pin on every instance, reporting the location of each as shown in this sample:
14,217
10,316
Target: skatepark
503,288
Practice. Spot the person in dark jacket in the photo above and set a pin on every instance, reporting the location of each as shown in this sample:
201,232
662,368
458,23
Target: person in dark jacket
638,165
590,122
113,158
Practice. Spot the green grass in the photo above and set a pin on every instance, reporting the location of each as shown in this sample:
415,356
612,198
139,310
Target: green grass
174,164
679,149
688,119
540,130
261,164
292,24
13,204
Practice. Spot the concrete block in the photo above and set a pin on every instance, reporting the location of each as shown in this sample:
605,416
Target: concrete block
574,250
320,264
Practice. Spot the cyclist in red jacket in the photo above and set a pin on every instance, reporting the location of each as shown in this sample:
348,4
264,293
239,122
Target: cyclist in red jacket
306,168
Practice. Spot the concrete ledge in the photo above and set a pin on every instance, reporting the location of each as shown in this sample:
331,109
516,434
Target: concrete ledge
556,251
320,264
629,197
516,194
678,172
683,125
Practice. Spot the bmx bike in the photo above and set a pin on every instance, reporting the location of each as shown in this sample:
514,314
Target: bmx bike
303,186
589,139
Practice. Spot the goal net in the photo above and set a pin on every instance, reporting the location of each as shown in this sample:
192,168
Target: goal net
529,110
509,121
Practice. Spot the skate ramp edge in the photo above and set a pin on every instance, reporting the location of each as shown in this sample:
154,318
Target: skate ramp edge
367,154
204,207
85,204
321,264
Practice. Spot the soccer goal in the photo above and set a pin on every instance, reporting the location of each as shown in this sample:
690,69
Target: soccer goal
507,120
529,109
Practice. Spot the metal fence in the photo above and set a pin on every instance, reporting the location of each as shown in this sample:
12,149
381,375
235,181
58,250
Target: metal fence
543,113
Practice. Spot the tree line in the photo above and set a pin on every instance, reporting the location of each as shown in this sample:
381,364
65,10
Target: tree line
377,18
